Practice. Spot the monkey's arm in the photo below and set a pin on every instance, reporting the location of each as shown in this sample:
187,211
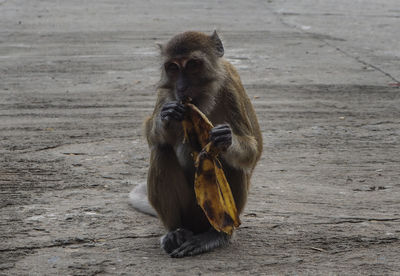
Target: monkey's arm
244,145
242,153
163,126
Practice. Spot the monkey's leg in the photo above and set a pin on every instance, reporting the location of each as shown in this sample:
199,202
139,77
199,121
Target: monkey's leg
203,242
171,196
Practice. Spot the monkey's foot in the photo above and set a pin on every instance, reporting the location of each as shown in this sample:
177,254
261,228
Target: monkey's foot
174,239
201,243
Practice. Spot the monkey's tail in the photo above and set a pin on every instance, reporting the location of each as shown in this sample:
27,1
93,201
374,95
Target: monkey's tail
138,200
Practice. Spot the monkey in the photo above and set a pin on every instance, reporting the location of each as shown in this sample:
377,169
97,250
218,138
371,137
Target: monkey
193,66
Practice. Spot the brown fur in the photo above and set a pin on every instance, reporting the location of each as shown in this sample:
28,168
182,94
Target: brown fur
223,99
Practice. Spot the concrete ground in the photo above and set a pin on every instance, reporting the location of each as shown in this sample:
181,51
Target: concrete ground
77,78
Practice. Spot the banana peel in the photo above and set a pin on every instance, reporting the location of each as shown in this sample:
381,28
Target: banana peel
212,189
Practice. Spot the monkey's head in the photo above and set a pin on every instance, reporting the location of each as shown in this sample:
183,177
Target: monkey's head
191,64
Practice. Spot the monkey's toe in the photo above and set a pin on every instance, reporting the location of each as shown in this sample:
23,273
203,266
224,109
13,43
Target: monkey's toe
174,239
201,243
189,248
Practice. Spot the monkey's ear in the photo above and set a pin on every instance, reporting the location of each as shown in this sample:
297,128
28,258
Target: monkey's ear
218,44
160,46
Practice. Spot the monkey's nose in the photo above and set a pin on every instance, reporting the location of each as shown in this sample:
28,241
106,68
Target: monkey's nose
181,87
181,84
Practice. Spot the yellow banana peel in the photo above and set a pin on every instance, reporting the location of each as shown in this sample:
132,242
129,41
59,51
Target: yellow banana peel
213,192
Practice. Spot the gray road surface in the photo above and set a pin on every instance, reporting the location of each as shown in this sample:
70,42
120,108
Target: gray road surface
77,79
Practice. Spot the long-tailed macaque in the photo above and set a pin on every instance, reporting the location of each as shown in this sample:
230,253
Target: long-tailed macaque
193,66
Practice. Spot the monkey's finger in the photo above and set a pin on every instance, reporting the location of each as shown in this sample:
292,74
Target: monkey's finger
180,108
174,105
165,116
220,132
223,137
173,109
177,116
177,109
225,140
167,106
220,138
169,112
222,126
172,114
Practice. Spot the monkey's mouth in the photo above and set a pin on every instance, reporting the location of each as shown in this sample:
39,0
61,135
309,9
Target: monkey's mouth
186,99
184,96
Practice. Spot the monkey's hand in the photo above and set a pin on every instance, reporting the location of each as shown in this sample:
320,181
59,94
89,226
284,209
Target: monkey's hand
221,136
172,111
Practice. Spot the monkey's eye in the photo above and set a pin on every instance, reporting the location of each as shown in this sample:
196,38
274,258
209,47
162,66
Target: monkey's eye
193,65
171,68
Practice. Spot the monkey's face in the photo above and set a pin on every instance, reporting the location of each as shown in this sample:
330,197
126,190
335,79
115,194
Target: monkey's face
189,76
191,65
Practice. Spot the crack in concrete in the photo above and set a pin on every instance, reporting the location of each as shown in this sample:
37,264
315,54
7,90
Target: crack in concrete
359,220
337,48
359,60
73,241
57,243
